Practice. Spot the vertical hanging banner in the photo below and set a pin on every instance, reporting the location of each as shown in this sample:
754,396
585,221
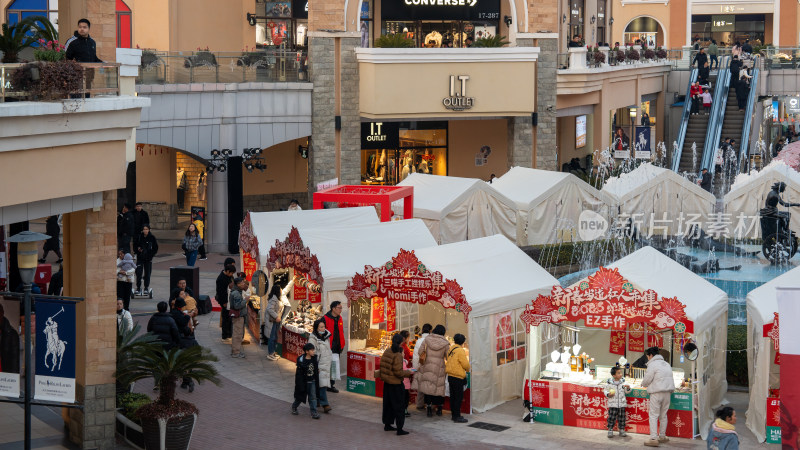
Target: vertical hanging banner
378,310
616,343
391,315
9,337
789,312
55,351
249,265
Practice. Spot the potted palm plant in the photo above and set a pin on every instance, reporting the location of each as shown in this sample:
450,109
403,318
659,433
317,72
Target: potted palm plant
168,422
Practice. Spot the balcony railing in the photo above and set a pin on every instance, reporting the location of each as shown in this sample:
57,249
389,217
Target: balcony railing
220,67
580,58
99,80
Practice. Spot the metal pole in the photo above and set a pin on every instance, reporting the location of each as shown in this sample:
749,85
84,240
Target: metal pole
28,366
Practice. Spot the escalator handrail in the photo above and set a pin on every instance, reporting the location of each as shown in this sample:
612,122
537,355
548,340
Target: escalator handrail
717,117
748,115
676,158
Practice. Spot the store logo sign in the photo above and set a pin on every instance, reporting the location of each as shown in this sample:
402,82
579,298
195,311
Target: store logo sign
458,100
442,2
375,134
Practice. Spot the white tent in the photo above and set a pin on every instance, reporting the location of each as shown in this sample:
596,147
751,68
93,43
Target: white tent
550,203
269,226
706,307
457,209
748,193
762,303
650,195
498,280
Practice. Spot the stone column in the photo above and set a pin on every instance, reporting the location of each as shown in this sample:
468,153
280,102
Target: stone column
322,155
350,135
546,151
89,272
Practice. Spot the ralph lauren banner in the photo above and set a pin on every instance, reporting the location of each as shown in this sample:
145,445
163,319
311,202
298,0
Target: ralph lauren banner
9,350
55,351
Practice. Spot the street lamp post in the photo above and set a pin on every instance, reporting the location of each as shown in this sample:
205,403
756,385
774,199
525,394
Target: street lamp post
27,256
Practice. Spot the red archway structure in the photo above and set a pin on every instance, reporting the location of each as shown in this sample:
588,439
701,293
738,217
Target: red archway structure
350,195
406,279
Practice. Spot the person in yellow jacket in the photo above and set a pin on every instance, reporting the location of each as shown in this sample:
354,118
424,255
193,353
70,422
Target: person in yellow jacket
200,224
457,367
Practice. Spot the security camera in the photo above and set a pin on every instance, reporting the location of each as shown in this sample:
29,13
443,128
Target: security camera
507,20
251,19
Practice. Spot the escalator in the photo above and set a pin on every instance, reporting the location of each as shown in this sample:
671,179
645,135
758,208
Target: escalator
678,154
747,117
696,131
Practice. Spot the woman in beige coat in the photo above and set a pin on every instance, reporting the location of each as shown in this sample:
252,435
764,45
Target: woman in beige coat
432,372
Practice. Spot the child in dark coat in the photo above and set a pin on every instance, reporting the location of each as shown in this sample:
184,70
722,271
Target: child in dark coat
306,380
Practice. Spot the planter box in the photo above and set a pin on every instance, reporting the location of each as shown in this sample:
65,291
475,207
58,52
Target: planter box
130,432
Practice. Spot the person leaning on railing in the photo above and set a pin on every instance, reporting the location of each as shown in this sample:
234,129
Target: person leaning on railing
83,49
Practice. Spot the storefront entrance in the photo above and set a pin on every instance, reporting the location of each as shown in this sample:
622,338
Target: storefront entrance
727,29
432,24
390,151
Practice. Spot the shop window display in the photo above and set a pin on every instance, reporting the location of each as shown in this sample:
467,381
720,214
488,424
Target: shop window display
420,148
282,24
438,25
441,33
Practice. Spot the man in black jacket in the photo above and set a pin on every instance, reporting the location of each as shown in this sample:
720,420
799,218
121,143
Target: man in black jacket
125,228
747,48
140,219
705,180
163,325
225,282
9,345
81,47
146,248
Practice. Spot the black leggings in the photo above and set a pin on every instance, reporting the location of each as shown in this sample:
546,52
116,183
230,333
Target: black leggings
394,405
143,270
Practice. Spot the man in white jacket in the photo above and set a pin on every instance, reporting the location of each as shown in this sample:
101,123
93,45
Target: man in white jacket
426,330
660,384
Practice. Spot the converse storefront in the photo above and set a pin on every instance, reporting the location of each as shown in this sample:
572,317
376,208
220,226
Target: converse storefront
441,23
441,112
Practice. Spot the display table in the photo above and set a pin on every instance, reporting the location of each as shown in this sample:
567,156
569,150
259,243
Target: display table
361,369
253,322
773,420
574,405
292,341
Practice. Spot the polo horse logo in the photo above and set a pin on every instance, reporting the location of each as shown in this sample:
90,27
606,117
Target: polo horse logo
55,346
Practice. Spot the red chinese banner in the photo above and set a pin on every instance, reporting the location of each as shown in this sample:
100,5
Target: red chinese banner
636,338
315,297
772,331
773,412
607,300
616,344
391,315
378,310
249,266
292,345
406,279
300,290
292,253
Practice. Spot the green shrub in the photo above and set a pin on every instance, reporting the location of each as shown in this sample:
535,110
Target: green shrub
394,41
130,403
490,41
737,361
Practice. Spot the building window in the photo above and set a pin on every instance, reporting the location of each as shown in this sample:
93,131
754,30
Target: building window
393,150
601,21
509,338
124,29
576,8
20,9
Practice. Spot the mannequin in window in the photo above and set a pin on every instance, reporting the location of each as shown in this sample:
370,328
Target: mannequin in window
370,165
434,38
201,186
382,167
180,177
406,165
423,165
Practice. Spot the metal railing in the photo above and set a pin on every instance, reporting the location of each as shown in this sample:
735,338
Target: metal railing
615,58
752,96
676,157
717,117
99,80
220,67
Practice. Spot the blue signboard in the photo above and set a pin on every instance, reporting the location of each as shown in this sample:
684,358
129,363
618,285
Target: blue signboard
55,351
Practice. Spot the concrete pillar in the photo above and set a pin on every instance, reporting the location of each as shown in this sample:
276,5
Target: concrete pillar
89,272
577,58
217,191
129,59
520,141
546,156
350,134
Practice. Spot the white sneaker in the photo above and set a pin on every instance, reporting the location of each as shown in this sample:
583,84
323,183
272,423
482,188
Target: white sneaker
271,357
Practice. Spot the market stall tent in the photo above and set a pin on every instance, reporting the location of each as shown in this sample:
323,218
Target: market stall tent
762,352
458,209
749,192
550,203
688,304
650,191
496,279
706,306
260,230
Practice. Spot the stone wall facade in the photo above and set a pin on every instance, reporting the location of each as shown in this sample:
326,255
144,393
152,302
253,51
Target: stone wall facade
546,139
322,156
275,202
95,427
350,135
163,216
